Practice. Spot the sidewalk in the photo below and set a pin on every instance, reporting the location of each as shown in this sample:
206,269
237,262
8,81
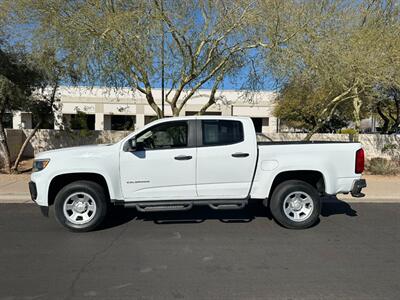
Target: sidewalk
380,189
14,188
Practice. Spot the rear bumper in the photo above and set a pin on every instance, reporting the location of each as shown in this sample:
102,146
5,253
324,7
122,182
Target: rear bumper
358,185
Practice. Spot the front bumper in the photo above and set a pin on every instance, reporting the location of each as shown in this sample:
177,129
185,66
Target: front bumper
33,190
38,188
358,185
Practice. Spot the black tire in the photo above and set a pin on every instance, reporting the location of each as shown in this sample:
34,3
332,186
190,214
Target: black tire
277,203
97,194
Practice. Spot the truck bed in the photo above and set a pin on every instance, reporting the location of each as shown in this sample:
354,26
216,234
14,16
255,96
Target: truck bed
335,160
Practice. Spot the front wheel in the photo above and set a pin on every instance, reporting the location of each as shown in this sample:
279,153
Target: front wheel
295,204
81,206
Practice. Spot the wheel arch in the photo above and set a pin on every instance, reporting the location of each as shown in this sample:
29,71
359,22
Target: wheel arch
61,180
312,177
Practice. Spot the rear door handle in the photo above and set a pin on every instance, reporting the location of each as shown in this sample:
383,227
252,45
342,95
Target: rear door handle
183,157
240,154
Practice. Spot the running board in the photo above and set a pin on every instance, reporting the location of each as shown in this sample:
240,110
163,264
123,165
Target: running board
163,207
183,205
238,205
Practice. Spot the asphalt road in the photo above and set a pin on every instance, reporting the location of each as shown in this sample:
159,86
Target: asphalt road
353,253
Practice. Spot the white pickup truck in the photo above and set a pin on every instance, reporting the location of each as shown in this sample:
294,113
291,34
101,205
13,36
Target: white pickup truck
176,163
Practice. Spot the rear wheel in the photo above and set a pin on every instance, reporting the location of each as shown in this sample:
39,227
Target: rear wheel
295,204
81,206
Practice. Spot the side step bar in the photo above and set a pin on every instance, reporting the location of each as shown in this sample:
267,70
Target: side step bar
163,207
228,205
183,205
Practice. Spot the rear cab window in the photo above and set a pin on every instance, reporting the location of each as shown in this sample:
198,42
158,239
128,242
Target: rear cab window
221,132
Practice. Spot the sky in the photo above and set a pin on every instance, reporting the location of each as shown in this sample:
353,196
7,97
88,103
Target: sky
238,81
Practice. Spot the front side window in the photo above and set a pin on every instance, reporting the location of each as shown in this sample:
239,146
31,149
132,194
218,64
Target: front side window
165,136
221,132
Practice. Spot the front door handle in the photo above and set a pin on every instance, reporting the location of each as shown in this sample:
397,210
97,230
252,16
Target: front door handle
183,157
240,154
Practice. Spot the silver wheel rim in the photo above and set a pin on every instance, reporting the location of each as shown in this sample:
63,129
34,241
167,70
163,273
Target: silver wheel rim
298,206
79,208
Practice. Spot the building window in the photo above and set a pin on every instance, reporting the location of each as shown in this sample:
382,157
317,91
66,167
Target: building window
123,122
207,113
80,121
257,124
7,120
149,119
47,123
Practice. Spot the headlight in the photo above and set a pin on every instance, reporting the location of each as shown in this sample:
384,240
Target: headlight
39,164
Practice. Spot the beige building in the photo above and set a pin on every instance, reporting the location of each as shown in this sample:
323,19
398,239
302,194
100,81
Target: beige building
106,109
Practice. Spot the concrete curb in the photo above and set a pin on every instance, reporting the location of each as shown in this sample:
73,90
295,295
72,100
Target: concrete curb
368,200
15,198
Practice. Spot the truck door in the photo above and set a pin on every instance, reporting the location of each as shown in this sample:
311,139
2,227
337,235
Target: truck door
226,158
166,168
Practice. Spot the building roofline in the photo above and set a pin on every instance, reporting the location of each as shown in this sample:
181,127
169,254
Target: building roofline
78,87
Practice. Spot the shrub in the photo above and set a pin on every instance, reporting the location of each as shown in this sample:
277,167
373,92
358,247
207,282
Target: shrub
382,166
393,150
389,148
347,131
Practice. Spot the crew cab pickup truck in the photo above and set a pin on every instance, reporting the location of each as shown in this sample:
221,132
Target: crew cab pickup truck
176,163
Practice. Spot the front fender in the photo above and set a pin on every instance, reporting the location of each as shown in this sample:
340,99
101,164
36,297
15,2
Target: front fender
43,182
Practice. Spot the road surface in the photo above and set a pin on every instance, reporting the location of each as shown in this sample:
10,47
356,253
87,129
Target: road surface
353,253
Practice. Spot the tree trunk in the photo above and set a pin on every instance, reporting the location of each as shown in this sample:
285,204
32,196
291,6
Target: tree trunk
398,111
385,119
175,110
330,109
397,120
357,108
154,106
313,131
23,147
210,103
4,147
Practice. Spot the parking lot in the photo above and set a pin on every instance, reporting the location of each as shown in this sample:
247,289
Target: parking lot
353,253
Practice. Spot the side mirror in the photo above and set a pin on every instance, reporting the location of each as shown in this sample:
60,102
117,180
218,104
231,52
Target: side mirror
132,144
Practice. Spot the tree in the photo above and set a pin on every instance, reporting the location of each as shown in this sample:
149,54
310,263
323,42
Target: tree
345,54
44,102
29,82
387,105
18,79
42,108
118,43
299,103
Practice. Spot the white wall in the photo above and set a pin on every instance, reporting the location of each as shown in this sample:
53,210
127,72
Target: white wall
52,139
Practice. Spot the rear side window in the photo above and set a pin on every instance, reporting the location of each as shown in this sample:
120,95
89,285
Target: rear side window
221,132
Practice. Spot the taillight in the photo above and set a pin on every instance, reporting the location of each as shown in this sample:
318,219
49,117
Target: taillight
359,161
